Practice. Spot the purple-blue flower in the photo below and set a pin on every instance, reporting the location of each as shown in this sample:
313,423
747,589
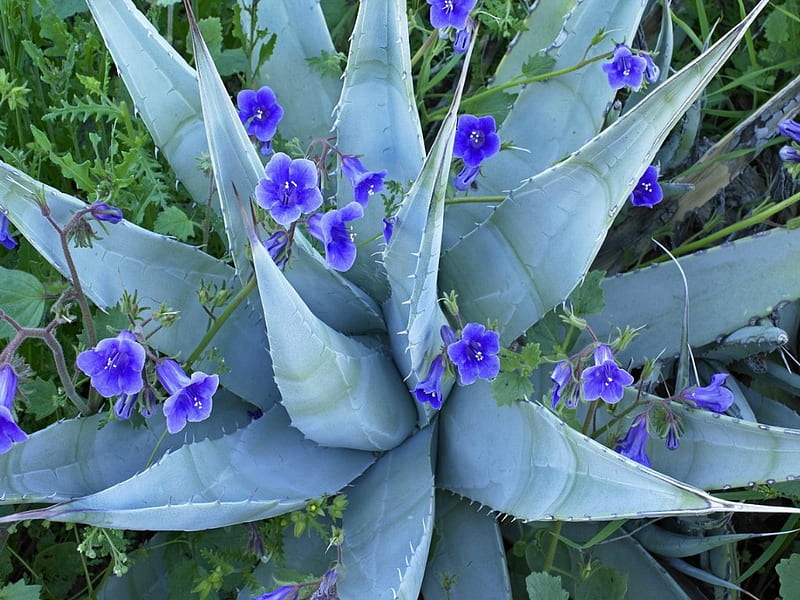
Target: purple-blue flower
285,592
625,68
115,365
105,212
465,177
561,376
605,380
647,192
259,112
634,442
790,129
190,397
327,587
448,335
475,139
123,407
388,228
289,189
331,229
673,441
450,13
5,237
276,244
713,397
10,432
651,70
430,388
789,154
475,354
365,183
461,40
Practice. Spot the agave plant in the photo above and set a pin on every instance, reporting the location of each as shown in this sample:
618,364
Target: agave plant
332,359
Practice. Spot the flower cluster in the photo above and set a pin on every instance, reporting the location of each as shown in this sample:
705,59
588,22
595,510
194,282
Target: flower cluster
605,380
475,141
453,13
260,113
791,129
10,432
473,354
115,367
647,192
629,69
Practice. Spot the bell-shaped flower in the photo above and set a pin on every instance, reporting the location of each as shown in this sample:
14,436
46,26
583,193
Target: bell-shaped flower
277,246
561,377
365,183
115,365
461,40
123,407
103,211
289,189
5,237
647,192
789,154
327,587
10,432
190,397
259,112
332,230
430,388
450,13
475,354
475,139
713,397
465,177
634,442
605,380
651,70
285,592
790,129
625,68
388,228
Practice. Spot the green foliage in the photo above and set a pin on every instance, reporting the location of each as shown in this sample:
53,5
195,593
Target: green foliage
789,571
22,298
543,586
20,591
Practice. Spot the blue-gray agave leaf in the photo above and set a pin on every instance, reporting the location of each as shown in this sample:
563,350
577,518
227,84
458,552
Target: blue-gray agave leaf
763,266
668,543
78,457
263,470
545,122
524,461
388,523
307,94
747,341
159,269
468,551
376,117
163,88
569,206
337,391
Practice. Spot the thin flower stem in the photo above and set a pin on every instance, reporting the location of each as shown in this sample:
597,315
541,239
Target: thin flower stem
156,447
422,49
63,374
475,199
551,552
587,423
221,319
89,586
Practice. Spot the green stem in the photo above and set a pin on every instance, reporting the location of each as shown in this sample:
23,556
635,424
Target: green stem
754,219
156,447
475,199
551,552
217,325
422,49
89,586
587,423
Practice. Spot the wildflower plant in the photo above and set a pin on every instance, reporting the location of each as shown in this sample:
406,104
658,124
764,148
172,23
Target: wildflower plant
397,356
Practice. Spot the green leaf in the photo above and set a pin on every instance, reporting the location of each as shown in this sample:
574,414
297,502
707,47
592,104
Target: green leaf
389,523
543,586
508,388
22,299
20,591
173,221
788,570
41,397
602,584
538,64
587,299
467,558
526,234
211,30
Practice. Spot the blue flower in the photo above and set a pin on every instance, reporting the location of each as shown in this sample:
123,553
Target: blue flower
561,376
673,440
388,228
714,397
647,192
123,407
276,245
625,68
430,388
332,231
634,442
790,129
5,237
190,398
448,335
475,139
285,592
259,112
651,70
9,430
105,212
365,183
605,380
450,13
289,189
789,154
461,40
475,354
327,587
115,365
465,177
